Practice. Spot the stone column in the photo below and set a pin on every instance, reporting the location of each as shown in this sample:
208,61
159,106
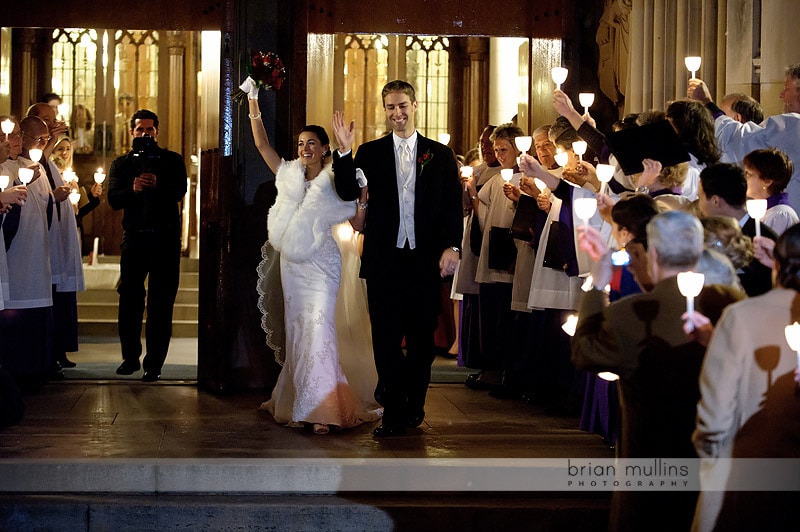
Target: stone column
476,90
176,45
780,41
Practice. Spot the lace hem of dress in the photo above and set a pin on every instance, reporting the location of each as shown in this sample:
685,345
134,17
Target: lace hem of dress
270,301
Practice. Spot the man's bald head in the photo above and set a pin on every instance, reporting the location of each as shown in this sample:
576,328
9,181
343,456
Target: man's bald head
35,133
44,112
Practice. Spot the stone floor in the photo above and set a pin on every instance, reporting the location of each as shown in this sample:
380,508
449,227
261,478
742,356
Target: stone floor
106,454
130,419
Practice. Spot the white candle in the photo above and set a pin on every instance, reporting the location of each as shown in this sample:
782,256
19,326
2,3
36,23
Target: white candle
757,208
7,126
3,182
95,251
690,284
466,173
99,176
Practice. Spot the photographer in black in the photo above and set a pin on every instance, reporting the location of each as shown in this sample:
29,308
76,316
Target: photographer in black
149,183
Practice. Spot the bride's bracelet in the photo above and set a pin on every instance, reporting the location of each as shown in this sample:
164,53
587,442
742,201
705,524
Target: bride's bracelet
254,117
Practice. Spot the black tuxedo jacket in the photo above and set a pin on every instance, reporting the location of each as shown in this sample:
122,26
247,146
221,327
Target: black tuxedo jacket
438,222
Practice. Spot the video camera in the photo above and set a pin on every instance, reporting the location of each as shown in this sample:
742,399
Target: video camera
146,152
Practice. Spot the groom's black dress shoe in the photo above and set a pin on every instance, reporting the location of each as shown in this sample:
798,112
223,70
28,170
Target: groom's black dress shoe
150,376
385,431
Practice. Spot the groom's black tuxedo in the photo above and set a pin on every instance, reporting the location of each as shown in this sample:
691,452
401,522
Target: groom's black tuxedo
403,284
438,220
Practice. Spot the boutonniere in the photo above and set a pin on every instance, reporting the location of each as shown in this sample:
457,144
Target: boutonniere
423,160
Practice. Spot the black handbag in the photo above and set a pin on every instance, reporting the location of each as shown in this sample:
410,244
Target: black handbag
502,249
553,258
524,218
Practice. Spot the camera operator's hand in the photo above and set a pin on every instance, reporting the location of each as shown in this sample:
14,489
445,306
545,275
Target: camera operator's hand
61,193
145,180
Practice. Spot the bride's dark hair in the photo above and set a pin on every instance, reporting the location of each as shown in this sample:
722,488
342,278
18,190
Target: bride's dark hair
321,134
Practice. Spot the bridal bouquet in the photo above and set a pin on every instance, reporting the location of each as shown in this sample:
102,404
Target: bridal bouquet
265,70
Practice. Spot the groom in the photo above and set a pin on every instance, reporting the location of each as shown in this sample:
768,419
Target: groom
412,232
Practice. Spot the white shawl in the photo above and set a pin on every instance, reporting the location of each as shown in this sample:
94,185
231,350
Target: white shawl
304,211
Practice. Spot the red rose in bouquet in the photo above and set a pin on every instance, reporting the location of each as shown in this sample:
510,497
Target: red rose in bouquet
266,70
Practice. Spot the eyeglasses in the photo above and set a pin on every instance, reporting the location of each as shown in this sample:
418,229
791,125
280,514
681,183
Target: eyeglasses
38,139
16,135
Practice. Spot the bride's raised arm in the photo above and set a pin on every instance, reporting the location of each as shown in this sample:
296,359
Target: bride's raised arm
260,138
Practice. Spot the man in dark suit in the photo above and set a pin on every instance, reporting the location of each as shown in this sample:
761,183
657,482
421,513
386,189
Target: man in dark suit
412,231
641,338
723,192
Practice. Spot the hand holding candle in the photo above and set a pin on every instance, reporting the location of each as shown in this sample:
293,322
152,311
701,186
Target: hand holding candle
757,208
690,284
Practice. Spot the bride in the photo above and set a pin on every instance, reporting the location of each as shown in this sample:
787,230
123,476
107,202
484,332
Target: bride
312,388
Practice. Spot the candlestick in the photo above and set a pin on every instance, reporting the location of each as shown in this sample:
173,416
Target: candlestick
69,175
586,99
690,284
559,75
692,63
466,173
604,174
523,143
561,157
25,175
579,147
757,208
570,324
585,209
792,333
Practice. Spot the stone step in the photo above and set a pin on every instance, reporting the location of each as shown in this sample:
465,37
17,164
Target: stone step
464,512
89,311
187,296
107,328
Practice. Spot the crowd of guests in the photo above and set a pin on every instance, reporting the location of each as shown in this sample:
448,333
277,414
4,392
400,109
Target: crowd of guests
41,267
651,378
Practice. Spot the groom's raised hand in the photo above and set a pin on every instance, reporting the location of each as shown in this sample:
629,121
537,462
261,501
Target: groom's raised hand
345,134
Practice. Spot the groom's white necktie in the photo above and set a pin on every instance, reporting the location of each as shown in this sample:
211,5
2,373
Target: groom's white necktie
405,157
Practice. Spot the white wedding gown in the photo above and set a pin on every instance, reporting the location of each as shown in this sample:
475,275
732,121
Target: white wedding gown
328,374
